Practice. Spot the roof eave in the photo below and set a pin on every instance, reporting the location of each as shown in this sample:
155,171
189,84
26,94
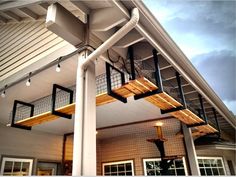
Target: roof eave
187,67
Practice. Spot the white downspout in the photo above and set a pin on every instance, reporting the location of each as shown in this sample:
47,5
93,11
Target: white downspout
80,84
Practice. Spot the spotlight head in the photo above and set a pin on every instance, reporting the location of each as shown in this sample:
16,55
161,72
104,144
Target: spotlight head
58,68
28,83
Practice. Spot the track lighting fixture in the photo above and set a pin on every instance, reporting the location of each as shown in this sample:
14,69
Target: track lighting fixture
3,95
28,81
58,68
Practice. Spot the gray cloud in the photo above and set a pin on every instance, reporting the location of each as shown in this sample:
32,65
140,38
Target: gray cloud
219,69
213,21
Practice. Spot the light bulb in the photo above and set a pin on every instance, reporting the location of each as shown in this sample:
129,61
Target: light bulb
58,68
27,83
3,95
159,124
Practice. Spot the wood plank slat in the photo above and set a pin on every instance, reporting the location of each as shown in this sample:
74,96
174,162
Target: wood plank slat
138,86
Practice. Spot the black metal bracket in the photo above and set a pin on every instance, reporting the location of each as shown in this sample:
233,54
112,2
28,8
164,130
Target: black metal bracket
196,125
54,94
109,87
160,146
181,94
132,67
16,102
201,114
217,123
172,110
158,79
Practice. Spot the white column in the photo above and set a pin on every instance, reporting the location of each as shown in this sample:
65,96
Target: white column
84,147
78,120
191,152
89,132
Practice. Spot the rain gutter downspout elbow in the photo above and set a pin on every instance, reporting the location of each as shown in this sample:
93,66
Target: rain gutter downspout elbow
83,62
114,38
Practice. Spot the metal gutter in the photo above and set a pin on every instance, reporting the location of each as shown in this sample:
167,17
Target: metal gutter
181,63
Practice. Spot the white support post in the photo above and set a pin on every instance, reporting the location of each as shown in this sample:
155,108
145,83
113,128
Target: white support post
191,152
84,147
89,131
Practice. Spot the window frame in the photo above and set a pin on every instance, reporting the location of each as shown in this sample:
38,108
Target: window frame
215,158
117,163
159,159
17,159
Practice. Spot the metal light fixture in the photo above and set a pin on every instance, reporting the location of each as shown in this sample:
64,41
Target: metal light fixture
159,130
28,81
58,68
3,94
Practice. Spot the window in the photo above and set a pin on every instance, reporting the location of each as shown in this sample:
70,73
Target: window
152,167
16,167
211,166
122,168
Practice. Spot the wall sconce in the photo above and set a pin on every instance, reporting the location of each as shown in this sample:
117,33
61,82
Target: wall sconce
158,127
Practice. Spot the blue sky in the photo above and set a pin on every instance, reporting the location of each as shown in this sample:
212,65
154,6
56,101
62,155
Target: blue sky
206,33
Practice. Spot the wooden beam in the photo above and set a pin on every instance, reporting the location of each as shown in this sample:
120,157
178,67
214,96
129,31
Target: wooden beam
106,18
44,5
12,15
29,13
3,19
131,38
17,4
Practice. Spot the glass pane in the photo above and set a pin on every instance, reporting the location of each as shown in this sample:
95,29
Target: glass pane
121,174
107,174
171,172
25,167
215,171
179,164
129,173
219,163
156,164
221,171
157,172
114,174
107,168
206,162
17,168
202,171
8,166
121,167
128,167
213,162
149,165
172,164
113,168
208,171
150,173
200,162
180,172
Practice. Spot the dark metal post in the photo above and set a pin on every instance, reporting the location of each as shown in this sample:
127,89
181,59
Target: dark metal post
54,93
180,90
16,102
217,123
109,88
157,71
131,57
203,109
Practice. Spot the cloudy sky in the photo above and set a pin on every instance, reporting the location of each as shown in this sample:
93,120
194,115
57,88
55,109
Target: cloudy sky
206,33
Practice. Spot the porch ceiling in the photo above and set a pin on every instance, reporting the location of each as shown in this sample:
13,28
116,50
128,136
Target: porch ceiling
16,11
